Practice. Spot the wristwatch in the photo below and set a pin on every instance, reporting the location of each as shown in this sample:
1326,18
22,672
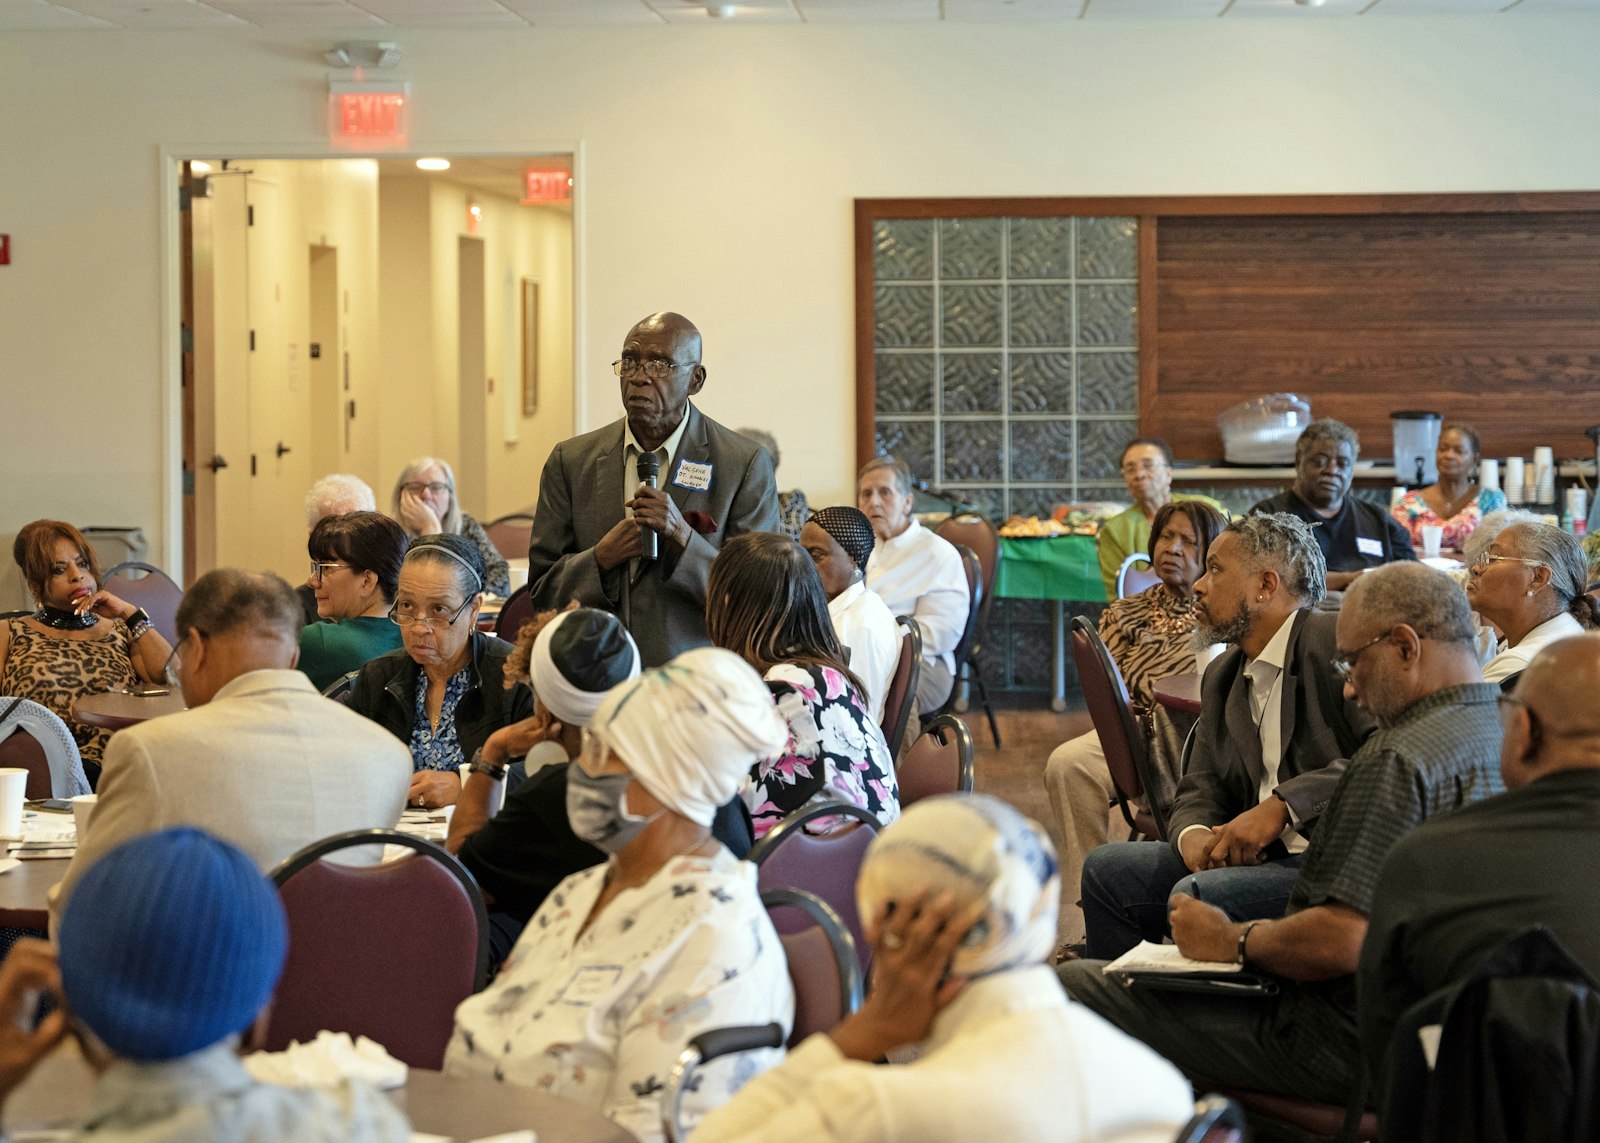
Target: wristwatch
478,766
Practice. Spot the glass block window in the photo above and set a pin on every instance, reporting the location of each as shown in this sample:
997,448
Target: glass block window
1006,355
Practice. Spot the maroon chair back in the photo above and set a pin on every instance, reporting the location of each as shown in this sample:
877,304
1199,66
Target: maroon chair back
976,598
825,865
1301,1118
150,588
518,610
511,535
1106,696
1132,579
902,686
341,689
823,965
21,750
386,951
970,530
1216,1119
939,762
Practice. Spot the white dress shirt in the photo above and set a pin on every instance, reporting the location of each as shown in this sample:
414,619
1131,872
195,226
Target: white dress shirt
630,459
919,574
866,626
1010,1059
1510,660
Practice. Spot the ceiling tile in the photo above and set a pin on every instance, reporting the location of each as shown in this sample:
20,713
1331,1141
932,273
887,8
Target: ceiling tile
1155,9
155,13
975,11
298,13
744,12
37,15
1290,10
1434,7
584,13
425,13
867,11
1554,6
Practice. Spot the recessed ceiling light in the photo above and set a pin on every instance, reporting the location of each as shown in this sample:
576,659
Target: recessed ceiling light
433,164
722,11
199,167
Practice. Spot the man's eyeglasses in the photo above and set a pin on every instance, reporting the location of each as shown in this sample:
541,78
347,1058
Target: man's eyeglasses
174,664
417,487
319,568
1345,662
434,615
657,368
1481,564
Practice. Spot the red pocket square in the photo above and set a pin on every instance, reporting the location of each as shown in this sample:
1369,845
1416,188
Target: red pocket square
701,523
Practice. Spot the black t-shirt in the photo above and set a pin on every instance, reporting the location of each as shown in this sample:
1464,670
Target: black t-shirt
528,848
1362,535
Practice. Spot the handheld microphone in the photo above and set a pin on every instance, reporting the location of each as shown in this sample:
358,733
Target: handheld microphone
649,466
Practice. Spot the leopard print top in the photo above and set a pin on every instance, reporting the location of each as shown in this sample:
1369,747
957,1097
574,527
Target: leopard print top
53,671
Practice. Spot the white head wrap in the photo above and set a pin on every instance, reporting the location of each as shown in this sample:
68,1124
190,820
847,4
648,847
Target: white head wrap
577,657
691,730
979,849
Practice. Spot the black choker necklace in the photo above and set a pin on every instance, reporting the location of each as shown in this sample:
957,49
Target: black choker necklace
64,620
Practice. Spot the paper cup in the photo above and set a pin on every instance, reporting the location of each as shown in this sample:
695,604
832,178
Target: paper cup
82,807
13,789
1432,536
497,796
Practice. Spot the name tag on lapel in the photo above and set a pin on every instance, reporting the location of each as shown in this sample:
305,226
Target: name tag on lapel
1369,547
693,475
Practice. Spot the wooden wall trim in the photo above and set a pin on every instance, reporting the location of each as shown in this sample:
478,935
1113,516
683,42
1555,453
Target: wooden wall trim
1196,205
1149,295
866,361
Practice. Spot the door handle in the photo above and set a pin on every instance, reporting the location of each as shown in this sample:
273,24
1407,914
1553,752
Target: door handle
283,448
217,462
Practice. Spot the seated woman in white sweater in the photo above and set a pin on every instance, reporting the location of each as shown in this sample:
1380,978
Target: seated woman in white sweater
626,962
959,898
839,541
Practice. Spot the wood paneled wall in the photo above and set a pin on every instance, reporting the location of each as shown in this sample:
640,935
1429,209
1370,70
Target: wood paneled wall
1493,318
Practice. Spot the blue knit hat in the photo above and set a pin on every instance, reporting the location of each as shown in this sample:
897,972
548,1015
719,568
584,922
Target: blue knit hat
171,942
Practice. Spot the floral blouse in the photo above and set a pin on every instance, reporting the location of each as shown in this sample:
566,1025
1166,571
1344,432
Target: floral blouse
835,751
1413,512
439,749
601,1017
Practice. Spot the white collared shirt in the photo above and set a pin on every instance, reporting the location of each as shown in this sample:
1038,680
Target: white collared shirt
630,458
866,626
919,574
1510,660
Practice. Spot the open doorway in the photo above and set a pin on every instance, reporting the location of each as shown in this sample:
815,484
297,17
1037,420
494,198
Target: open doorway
347,315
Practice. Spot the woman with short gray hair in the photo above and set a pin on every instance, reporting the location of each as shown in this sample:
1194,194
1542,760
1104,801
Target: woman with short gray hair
1530,584
425,504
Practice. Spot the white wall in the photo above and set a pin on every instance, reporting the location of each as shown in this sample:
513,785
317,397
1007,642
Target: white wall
717,170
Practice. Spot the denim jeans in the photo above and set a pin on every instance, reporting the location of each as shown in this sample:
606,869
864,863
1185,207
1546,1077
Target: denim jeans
1126,886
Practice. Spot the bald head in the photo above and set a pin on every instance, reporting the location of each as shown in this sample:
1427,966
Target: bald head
680,329
232,622
1428,601
660,370
1554,723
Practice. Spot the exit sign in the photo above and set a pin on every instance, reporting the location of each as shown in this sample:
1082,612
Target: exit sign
546,186
368,115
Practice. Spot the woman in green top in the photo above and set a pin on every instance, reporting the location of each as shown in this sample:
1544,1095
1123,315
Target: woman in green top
355,564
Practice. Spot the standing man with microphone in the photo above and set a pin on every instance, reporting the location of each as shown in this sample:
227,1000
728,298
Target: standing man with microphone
631,515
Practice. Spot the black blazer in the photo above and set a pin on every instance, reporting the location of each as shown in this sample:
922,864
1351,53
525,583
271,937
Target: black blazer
1320,729
386,692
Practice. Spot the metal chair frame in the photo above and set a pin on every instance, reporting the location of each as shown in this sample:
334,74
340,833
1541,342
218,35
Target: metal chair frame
965,769
1216,1119
339,690
1127,572
970,666
1084,631
894,721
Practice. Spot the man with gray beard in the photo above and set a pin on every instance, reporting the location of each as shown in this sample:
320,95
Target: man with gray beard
1274,720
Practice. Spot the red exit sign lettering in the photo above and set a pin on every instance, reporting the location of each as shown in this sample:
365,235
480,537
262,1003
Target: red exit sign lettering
368,115
546,186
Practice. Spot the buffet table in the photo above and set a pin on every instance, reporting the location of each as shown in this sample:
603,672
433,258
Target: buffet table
1057,568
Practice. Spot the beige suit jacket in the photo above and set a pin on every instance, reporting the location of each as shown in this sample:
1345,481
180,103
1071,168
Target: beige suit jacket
268,764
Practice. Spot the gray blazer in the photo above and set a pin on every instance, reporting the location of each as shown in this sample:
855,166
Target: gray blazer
580,500
1320,729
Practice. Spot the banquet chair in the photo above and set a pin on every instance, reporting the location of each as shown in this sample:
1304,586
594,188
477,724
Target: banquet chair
511,535
970,530
1132,580
963,651
24,728
386,951
343,687
1216,1119
939,762
827,987
902,686
146,586
1121,738
824,864
518,610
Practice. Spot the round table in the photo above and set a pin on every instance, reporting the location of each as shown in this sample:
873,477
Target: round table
116,710
56,1096
24,892
1179,692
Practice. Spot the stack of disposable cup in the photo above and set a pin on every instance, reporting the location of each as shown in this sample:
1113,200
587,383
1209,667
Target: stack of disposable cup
1488,474
1514,488
1544,480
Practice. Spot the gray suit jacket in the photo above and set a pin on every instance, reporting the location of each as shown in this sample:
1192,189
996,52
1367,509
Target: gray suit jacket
1320,729
580,500
268,764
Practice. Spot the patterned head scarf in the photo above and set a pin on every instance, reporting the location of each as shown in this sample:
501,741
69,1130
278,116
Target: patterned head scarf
979,849
692,729
577,657
851,528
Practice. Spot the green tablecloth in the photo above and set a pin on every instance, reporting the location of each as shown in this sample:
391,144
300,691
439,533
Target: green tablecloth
1061,567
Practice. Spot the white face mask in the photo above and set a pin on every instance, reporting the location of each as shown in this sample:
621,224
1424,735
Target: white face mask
597,810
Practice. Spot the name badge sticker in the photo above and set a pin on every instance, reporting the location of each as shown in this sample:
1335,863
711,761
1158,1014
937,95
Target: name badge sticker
693,475
1369,547
589,984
